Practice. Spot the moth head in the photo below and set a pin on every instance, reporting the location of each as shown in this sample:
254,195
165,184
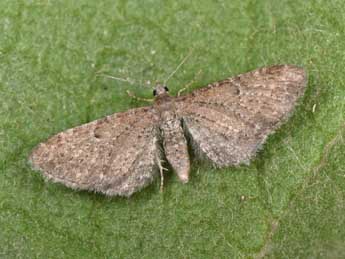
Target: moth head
160,90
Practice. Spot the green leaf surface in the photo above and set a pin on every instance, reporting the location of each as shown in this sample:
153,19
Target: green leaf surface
288,203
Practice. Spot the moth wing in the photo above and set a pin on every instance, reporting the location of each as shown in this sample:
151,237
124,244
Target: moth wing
228,121
115,155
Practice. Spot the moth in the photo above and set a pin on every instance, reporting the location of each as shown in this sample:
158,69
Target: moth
225,122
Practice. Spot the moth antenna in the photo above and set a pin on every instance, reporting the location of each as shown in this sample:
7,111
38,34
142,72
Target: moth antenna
177,68
128,80
146,83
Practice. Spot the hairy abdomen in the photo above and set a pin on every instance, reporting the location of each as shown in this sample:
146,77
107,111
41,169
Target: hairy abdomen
175,146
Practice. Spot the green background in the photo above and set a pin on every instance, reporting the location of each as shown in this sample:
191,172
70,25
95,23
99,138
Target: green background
293,193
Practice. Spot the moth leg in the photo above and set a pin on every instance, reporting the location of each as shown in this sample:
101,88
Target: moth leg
189,84
130,94
161,171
